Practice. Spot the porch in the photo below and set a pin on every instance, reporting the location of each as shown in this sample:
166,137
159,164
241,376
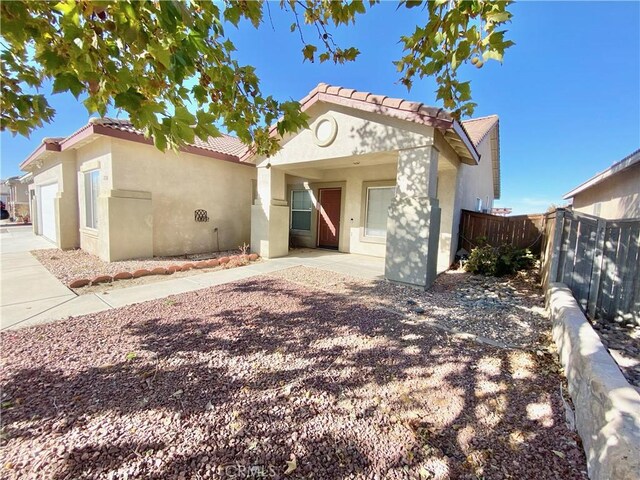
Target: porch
385,205
367,183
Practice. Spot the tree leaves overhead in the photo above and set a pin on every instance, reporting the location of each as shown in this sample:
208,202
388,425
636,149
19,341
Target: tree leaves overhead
457,32
170,64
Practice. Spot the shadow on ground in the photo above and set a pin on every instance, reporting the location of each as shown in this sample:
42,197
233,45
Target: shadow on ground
234,382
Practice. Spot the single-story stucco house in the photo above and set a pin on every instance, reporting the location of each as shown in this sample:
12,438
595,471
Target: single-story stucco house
371,175
376,176
613,193
108,190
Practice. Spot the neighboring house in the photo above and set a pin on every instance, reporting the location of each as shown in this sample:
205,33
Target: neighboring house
613,193
377,176
109,191
4,192
17,202
501,211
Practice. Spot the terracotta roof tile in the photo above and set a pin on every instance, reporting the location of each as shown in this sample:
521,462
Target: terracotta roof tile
478,128
392,102
409,106
377,99
225,144
346,92
332,90
360,96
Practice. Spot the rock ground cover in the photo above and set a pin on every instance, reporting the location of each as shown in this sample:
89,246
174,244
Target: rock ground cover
266,376
623,342
507,310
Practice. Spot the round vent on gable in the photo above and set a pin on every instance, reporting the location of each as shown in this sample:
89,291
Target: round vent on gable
325,130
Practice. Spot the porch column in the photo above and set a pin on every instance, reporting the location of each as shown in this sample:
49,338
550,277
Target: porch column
413,226
270,215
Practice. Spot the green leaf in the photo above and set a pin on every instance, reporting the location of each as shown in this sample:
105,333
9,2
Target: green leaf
68,82
493,55
308,52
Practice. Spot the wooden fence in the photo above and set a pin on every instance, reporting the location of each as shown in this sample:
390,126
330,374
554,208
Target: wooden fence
522,231
598,259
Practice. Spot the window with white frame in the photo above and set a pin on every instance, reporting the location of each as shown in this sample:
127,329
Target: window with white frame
377,210
301,207
91,186
597,207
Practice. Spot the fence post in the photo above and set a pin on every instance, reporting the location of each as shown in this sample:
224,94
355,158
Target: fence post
596,269
557,243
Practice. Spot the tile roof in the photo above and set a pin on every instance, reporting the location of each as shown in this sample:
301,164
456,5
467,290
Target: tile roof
416,112
410,110
478,128
225,144
224,147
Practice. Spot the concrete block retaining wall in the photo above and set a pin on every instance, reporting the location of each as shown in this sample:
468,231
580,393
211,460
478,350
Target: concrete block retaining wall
607,407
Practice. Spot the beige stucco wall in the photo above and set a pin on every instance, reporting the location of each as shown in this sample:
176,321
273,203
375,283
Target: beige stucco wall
358,133
353,182
61,169
95,155
177,185
476,181
371,141
146,200
618,195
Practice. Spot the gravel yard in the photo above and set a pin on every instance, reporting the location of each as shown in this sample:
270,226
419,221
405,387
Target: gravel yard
623,342
507,310
303,372
69,265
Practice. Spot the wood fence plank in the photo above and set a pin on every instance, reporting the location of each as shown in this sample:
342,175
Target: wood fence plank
594,287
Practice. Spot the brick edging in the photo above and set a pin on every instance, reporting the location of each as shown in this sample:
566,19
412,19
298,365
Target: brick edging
212,263
607,407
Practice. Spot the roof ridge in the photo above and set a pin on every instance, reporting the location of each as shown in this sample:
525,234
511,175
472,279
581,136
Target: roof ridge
485,117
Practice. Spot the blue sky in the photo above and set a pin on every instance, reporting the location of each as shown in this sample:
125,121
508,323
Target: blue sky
568,93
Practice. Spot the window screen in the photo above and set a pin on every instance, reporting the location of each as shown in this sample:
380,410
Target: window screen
378,203
91,187
301,207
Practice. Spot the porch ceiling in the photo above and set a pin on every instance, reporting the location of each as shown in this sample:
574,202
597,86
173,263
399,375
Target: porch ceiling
371,159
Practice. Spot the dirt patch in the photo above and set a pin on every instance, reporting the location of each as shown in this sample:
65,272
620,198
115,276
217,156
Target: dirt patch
264,375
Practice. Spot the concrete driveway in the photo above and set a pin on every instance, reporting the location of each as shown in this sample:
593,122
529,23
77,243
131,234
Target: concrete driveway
27,288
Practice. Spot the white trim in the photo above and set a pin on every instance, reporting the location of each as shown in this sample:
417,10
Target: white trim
333,125
89,209
291,210
366,213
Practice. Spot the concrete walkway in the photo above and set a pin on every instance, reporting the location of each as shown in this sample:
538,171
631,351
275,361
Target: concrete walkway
30,295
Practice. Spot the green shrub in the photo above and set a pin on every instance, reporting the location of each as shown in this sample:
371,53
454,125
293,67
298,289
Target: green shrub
498,261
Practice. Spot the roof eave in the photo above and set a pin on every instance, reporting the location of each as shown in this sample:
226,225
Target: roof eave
94,128
42,148
614,169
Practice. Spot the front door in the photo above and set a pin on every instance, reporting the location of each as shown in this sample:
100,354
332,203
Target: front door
329,217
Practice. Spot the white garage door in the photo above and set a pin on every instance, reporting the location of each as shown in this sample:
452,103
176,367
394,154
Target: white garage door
48,211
